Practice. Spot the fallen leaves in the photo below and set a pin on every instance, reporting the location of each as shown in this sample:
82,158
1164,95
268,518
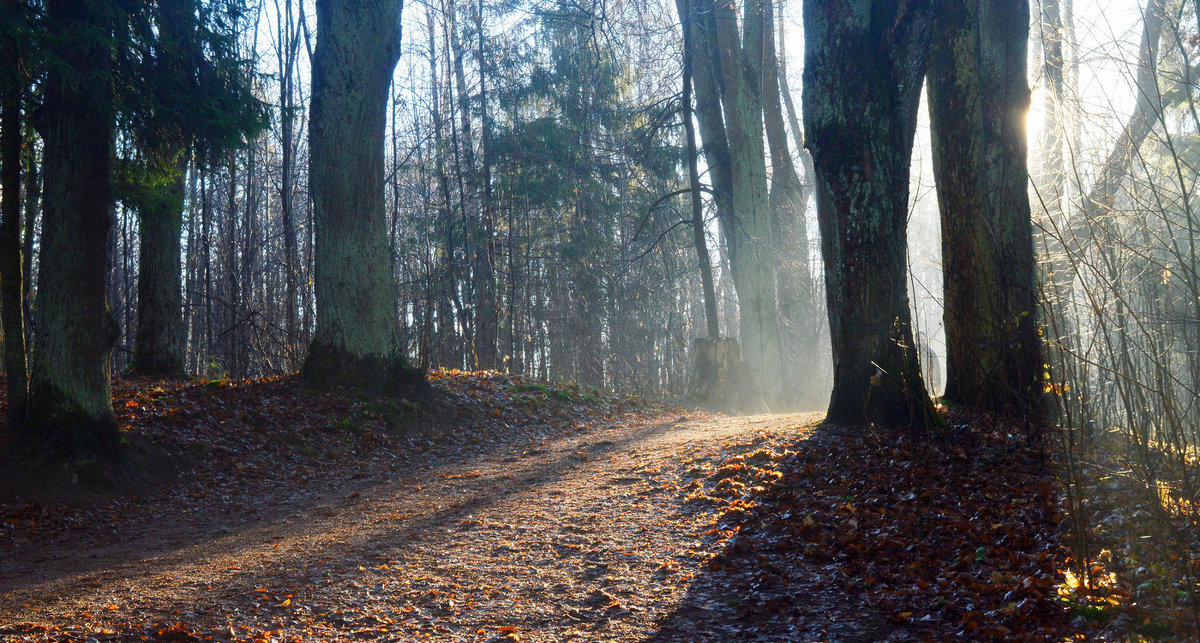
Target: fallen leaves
780,535
880,532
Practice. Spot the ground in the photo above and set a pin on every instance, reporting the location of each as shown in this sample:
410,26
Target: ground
509,509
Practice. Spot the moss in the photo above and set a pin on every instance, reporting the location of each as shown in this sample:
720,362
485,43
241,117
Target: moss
59,427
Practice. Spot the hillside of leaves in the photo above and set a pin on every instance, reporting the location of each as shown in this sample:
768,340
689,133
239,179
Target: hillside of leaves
220,436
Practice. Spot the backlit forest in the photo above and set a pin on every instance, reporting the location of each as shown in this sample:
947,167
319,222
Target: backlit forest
965,226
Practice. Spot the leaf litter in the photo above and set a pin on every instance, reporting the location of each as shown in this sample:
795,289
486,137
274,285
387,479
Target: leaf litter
514,510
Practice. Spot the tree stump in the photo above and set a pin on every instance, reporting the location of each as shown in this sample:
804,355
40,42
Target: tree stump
720,379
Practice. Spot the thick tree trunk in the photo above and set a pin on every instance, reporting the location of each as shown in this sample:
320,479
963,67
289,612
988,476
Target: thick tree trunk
70,408
12,284
862,83
158,345
355,341
978,98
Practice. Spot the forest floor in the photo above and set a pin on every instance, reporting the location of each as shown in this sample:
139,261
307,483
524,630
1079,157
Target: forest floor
512,510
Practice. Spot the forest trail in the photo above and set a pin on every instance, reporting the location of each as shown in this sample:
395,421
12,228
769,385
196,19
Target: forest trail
579,537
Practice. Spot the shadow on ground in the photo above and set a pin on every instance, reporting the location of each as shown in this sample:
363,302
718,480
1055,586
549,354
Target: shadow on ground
877,536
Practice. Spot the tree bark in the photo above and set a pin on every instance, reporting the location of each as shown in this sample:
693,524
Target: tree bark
33,193
158,346
12,284
70,409
355,341
447,354
706,77
289,35
862,82
978,99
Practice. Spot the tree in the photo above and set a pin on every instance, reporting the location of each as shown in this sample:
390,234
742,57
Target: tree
70,408
288,46
719,376
864,63
487,314
358,45
188,91
712,323
793,281
727,70
12,283
748,231
978,98
158,346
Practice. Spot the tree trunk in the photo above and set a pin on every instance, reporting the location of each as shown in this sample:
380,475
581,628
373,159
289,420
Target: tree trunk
158,345
355,341
447,354
487,313
33,193
720,379
978,98
748,232
288,47
862,82
12,284
699,236
70,408
1148,112
793,281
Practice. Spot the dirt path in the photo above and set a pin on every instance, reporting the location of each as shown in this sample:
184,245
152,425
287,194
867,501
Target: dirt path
579,538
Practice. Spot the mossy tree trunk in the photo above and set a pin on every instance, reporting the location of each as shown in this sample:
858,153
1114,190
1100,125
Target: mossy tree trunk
159,343
12,286
978,98
864,63
355,344
70,409
158,346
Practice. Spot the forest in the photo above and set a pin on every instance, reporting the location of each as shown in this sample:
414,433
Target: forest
509,320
